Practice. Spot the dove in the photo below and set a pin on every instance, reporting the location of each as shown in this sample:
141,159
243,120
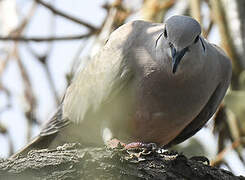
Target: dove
150,83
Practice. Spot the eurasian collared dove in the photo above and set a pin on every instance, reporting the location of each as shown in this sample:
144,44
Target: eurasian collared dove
151,82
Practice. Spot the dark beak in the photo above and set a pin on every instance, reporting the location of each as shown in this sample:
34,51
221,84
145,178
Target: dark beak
176,57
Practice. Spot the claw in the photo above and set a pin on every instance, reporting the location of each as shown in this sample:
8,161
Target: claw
137,145
114,143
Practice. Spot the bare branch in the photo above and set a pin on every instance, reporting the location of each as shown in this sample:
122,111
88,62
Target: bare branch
72,18
46,39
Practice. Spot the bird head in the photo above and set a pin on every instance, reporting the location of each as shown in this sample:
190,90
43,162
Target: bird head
181,32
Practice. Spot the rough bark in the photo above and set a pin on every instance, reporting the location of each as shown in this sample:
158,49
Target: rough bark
71,161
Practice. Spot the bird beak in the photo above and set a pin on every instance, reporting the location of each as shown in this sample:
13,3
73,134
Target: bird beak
176,57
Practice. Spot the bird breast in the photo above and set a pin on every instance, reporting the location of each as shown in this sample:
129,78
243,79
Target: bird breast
166,104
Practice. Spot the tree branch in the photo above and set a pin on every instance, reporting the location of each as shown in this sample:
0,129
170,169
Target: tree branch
60,13
71,161
41,39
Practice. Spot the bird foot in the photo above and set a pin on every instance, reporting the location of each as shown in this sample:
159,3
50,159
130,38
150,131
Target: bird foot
114,143
137,145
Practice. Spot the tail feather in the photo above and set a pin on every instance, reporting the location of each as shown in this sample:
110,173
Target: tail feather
40,142
47,135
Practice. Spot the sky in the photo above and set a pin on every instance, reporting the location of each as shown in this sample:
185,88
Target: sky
60,64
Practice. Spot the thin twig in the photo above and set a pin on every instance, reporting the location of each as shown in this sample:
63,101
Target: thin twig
52,84
72,18
6,91
25,21
43,60
4,63
28,93
154,10
44,39
227,43
46,58
5,132
222,154
195,6
75,61
207,31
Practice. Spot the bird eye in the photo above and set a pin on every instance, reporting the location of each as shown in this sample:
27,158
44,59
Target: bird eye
196,39
165,33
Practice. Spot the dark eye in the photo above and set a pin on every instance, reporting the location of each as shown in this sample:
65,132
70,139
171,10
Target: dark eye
165,33
196,39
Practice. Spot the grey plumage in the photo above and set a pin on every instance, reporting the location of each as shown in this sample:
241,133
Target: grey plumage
150,82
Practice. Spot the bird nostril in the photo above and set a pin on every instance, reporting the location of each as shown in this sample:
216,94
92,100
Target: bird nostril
173,50
170,44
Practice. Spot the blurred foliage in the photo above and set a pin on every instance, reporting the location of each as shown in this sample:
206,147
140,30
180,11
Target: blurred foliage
225,15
